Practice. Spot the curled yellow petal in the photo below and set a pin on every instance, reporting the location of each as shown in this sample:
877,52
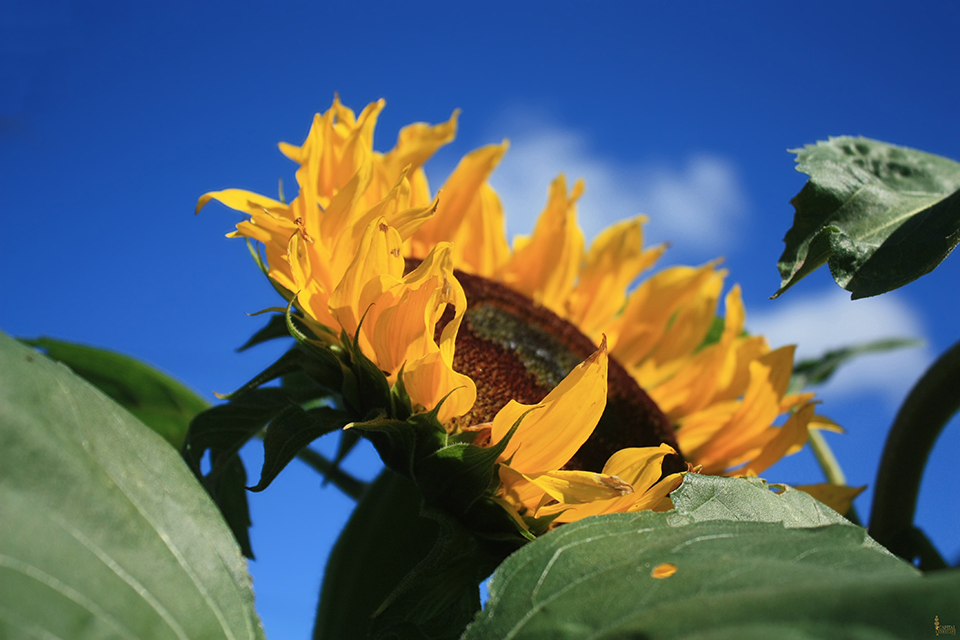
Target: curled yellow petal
430,379
576,487
379,254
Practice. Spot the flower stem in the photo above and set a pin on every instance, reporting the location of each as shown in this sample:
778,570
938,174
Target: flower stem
929,406
828,462
830,467
340,478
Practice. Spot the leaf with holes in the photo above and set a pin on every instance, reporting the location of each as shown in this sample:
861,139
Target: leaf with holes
104,532
734,560
880,215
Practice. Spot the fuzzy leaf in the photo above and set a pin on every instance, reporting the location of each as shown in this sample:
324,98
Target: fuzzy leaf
162,403
734,560
880,215
104,532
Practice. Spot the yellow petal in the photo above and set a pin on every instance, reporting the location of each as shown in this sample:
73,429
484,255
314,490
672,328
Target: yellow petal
790,437
379,254
548,437
837,497
769,377
641,326
456,196
576,487
246,201
404,331
418,141
615,259
429,379
480,244
545,266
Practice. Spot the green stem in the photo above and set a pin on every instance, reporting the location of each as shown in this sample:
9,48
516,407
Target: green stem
926,411
830,467
340,478
331,471
826,459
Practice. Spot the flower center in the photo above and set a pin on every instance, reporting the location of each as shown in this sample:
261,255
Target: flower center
516,350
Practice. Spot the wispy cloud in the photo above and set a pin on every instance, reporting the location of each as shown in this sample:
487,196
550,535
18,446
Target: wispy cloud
692,205
828,320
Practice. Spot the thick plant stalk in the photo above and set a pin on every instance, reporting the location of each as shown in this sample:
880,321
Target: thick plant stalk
929,406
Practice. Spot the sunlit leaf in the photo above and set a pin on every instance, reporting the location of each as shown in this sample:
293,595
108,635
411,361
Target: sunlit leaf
159,401
734,560
880,215
104,531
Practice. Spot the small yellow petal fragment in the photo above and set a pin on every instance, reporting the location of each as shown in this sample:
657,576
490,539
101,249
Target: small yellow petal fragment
664,570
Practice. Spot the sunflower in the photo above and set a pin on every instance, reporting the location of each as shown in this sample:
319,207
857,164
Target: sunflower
600,397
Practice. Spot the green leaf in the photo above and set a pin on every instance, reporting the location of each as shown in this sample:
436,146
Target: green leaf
750,563
880,215
290,432
104,531
819,370
159,401
385,538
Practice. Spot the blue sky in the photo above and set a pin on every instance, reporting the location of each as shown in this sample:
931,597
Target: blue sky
115,117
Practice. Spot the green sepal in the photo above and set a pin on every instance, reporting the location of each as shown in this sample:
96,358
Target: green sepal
367,391
223,430
402,443
454,477
400,399
292,430
276,327
289,362
159,401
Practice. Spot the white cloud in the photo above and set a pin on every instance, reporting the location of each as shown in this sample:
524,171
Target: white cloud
829,320
693,207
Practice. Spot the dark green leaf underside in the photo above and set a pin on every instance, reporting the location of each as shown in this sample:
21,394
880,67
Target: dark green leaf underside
880,215
750,564
104,531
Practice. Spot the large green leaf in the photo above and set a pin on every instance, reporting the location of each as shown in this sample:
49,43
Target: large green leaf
104,531
880,215
750,563
383,541
159,401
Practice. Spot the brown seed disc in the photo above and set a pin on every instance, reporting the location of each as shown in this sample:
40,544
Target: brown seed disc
514,349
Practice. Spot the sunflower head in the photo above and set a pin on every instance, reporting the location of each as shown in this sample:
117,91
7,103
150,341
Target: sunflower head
529,381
